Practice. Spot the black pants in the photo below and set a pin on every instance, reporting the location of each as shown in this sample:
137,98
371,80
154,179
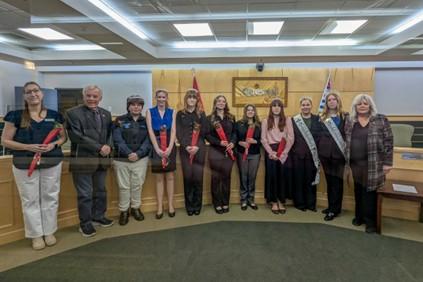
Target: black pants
304,193
275,184
221,168
193,180
365,205
247,176
92,197
334,173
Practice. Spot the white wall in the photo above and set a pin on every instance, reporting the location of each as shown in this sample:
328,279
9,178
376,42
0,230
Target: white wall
399,92
11,75
116,86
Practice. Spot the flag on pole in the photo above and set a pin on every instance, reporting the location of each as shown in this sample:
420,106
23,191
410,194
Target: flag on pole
195,86
326,91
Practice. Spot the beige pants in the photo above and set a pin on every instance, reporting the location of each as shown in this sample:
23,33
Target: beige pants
40,199
130,178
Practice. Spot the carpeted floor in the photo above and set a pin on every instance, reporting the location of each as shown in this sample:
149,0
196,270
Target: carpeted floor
235,251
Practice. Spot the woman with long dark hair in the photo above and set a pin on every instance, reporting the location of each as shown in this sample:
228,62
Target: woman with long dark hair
276,130
248,133
24,133
222,138
191,128
161,125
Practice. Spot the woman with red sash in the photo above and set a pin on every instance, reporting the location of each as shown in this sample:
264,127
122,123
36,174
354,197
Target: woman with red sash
162,131
191,127
222,137
277,138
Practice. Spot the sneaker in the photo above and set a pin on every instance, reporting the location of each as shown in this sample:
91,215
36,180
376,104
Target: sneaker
104,222
87,230
38,243
50,240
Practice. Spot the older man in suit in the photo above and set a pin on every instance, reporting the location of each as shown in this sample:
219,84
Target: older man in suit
89,129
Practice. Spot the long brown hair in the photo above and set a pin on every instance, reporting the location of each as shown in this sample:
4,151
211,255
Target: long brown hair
226,112
271,118
256,119
192,93
26,117
325,114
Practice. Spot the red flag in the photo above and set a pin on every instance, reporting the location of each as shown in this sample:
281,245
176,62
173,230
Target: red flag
200,99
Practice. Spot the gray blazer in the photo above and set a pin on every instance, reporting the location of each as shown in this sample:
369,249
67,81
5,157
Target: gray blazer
87,139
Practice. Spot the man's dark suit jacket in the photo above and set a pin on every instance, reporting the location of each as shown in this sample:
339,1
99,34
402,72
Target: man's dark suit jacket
87,139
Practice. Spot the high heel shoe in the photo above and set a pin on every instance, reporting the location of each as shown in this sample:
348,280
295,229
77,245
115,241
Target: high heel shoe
171,214
159,215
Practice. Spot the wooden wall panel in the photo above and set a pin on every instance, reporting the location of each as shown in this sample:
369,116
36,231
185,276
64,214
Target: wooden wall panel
301,82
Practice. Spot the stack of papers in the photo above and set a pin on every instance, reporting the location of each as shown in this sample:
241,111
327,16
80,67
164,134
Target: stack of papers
404,188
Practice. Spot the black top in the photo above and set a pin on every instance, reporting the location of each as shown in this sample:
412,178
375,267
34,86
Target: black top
359,144
184,127
228,126
327,146
241,128
130,136
35,134
300,148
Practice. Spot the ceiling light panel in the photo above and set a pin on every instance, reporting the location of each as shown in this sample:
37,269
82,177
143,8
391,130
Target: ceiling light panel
194,29
265,28
77,47
46,33
343,27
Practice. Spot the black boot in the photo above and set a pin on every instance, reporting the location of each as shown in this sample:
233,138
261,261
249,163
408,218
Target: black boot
124,218
137,214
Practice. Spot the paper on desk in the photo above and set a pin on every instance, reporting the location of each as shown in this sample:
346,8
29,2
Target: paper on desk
404,188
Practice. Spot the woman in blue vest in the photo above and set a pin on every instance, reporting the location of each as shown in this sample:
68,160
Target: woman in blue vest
160,121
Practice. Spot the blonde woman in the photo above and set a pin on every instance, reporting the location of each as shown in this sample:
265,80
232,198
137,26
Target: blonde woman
160,120
331,148
369,152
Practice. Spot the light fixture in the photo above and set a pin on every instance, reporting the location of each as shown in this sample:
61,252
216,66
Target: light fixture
102,5
418,53
264,28
112,43
343,27
29,65
194,29
408,23
46,33
77,47
263,44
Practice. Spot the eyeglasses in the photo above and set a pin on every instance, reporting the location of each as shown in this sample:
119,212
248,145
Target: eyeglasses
35,90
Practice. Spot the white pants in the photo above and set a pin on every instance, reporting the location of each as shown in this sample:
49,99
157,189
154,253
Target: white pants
130,178
40,199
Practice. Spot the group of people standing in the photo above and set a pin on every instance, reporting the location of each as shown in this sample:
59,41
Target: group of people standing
296,148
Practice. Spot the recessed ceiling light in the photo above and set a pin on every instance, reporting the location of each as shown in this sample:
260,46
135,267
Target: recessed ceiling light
263,44
46,33
77,47
29,65
102,5
194,29
265,28
408,23
343,27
